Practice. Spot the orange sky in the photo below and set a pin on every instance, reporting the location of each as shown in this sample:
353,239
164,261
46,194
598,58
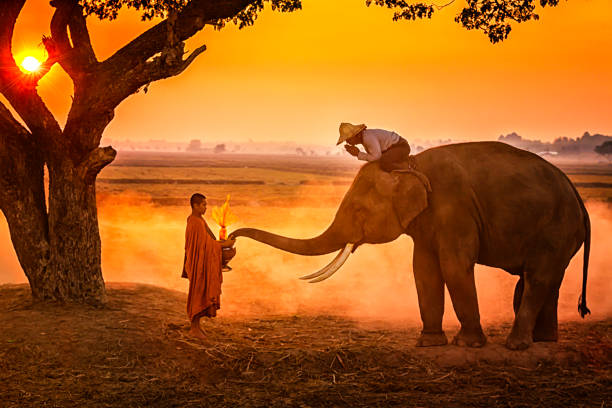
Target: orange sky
295,77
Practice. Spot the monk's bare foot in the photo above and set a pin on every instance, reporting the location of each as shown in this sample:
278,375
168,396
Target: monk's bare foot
197,333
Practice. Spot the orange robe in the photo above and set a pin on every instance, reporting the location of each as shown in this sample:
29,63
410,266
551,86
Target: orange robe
203,269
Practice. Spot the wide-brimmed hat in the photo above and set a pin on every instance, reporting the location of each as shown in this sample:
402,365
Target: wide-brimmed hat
347,131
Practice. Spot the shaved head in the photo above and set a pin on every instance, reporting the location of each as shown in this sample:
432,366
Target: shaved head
197,198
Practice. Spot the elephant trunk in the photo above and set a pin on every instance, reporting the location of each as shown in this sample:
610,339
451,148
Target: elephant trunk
325,243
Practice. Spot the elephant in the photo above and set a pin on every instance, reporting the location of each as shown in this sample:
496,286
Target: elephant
479,202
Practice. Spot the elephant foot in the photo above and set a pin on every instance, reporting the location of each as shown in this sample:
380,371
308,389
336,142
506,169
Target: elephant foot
470,338
432,339
518,342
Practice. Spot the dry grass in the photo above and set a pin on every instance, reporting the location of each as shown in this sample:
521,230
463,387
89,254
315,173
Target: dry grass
135,352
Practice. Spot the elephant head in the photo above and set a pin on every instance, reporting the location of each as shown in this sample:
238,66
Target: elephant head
377,208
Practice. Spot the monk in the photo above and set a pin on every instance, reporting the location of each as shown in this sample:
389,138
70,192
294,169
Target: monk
202,266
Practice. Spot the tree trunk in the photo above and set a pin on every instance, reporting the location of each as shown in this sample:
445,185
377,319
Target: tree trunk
74,272
59,251
22,200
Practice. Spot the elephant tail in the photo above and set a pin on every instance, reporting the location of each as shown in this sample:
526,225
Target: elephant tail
582,306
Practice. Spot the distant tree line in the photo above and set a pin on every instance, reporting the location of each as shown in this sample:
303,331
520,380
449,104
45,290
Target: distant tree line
562,145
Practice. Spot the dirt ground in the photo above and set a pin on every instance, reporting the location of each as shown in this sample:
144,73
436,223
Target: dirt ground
134,352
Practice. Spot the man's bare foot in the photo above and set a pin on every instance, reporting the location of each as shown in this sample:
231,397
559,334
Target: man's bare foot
196,331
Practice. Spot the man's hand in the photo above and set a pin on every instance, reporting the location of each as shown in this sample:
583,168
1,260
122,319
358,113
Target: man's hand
353,151
228,243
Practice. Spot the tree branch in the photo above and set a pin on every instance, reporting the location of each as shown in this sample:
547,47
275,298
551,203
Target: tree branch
80,38
95,161
77,58
87,135
189,21
59,32
440,7
156,54
169,63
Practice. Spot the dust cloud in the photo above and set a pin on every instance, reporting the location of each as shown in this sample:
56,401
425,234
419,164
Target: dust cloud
142,242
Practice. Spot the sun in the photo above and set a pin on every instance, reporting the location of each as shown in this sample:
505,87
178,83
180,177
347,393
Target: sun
30,64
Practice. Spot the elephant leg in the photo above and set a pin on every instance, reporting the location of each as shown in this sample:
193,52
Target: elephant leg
459,276
546,323
540,294
518,294
430,290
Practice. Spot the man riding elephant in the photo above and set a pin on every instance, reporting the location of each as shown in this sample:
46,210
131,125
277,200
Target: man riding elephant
390,148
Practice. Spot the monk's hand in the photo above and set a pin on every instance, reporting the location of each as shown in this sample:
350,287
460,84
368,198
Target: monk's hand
353,151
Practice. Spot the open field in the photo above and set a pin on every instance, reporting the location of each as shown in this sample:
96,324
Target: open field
167,178
285,181
278,341
135,353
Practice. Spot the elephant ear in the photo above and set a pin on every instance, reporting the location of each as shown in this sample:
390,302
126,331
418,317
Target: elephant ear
409,194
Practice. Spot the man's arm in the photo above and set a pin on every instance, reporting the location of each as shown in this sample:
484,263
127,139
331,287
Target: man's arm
372,147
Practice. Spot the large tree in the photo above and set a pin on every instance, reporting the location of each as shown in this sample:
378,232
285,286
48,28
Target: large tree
56,238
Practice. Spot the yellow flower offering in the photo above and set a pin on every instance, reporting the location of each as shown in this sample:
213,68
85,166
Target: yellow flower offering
224,217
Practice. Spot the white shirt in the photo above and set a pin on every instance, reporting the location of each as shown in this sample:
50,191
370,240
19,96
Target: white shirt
376,141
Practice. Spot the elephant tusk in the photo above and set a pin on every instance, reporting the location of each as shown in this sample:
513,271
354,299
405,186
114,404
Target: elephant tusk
325,269
334,265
